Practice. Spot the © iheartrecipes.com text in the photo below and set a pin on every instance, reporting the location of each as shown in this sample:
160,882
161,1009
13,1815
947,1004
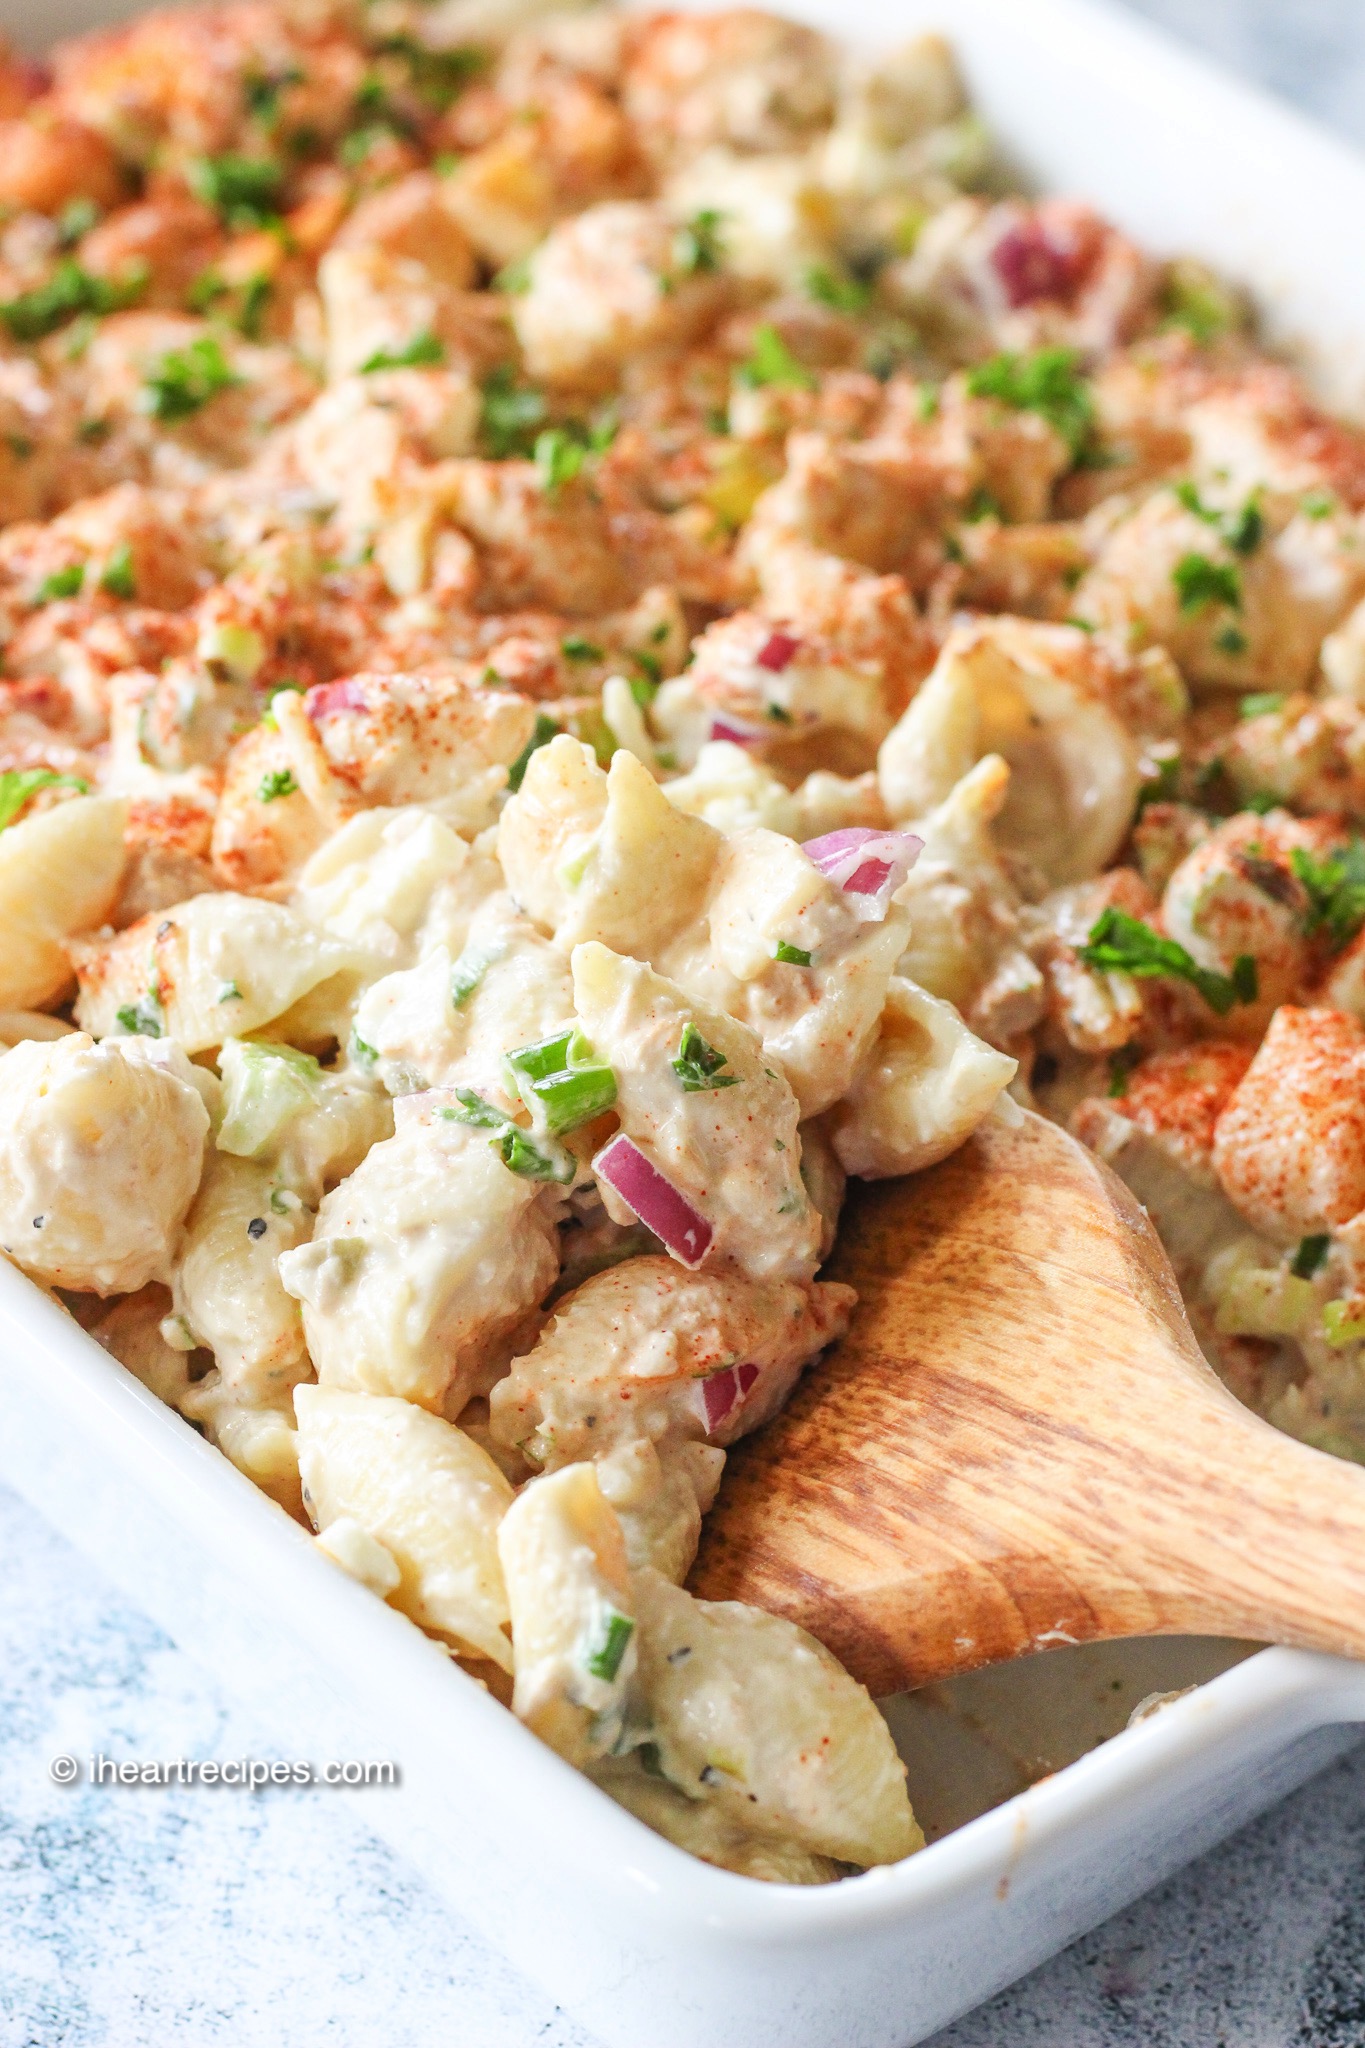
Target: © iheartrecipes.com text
250,1774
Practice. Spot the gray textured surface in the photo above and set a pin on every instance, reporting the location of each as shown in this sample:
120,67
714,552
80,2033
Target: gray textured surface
137,1917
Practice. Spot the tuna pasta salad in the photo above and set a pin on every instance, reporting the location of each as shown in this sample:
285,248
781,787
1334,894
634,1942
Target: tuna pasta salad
599,629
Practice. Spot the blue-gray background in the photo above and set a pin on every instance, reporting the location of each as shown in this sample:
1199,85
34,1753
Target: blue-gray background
179,1920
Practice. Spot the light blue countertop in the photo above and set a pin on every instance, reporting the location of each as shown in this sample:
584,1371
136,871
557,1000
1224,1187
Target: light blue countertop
178,1919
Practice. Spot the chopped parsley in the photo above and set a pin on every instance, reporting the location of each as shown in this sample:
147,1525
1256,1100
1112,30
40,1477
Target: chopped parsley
69,291
1120,944
791,956
1048,382
18,785
545,731
425,351
1260,703
185,379
771,362
698,1065
279,782
1232,640
117,579
243,190
698,245
1309,1256
1335,888
1200,582
834,289
1317,504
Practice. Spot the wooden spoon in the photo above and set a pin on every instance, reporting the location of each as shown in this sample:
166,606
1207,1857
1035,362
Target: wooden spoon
1019,1444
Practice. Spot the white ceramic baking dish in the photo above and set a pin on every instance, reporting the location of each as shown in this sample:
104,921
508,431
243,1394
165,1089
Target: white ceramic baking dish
649,1948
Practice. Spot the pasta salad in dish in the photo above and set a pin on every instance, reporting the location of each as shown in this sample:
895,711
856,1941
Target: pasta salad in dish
601,628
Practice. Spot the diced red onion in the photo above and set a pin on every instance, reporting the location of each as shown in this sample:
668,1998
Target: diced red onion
324,700
869,866
722,1392
738,734
660,1206
777,652
1032,266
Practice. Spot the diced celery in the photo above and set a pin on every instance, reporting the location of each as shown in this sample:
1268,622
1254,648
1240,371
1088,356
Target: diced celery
264,1088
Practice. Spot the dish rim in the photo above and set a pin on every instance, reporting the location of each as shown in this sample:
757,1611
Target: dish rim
227,1515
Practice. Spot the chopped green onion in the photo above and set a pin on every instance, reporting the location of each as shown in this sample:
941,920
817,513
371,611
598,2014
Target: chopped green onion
362,1052
698,245
424,351
65,582
17,785
561,1081
143,1019
1260,703
1120,944
771,362
1195,299
604,1659
516,1149
791,956
698,1065
545,731
1309,1256
511,415
76,219
469,971
514,279
843,294
118,579
558,456
575,648
1121,1065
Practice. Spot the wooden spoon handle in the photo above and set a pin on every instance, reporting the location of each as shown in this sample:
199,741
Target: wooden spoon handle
1033,1453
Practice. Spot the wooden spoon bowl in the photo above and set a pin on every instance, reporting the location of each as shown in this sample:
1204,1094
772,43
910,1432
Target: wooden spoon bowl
1019,1444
